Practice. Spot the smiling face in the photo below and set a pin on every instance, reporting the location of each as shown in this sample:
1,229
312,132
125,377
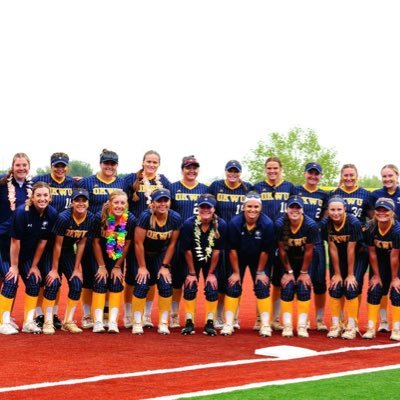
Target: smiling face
251,210
80,204
206,212
294,212
41,198
150,164
118,205
348,178
108,169
336,212
273,171
312,177
190,173
20,168
389,179
161,206
383,215
232,175
59,170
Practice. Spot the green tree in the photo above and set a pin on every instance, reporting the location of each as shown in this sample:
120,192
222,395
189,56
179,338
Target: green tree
76,168
370,182
295,150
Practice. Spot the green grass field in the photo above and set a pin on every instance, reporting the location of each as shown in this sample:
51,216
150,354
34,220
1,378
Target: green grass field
376,385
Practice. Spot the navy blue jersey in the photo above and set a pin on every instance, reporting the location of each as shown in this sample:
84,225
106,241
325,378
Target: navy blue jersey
137,207
229,201
158,237
383,192
29,227
315,202
295,242
350,231
190,242
99,191
274,197
356,201
71,229
98,232
184,198
60,191
21,195
250,243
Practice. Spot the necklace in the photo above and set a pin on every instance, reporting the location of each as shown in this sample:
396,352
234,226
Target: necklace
114,248
203,255
148,189
11,190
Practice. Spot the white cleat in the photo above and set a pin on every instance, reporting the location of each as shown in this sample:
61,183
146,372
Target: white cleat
87,322
287,331
395,335
302,331
137,328
276,325
147,323
98,327
334,332
163,329
321,326
31,327
349,333
174,321
8,329
265,331
219,323
369,334
128,321
227,330
112,327
384,326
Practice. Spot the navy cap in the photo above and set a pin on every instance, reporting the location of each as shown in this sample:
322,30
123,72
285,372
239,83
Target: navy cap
295,200
207,199
59,160
233,164
313,165
385,204
188,161
160,193
109,157
79,192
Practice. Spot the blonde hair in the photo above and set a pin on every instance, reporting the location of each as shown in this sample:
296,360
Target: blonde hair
105,211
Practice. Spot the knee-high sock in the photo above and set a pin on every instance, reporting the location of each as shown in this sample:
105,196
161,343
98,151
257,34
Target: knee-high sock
230,304
220,306
352,312
176,299
57,302
396,317
319,302
128,294
336,306
264,310
287,312
86,299
276,301
47,306
70,310
372,311
138,309
113,307
303,308
5,309
211,310
98,302
164,305
383,308
29,307
150,299
190,309
39,308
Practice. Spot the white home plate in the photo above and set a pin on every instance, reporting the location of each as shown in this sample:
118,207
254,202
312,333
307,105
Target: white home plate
285,352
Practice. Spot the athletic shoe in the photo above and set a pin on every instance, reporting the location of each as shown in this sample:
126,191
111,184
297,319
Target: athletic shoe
128,321
56,322
71,327
48,328
265,331
137,328
334,331
163,329
30,327
227,330
87,322
39,321
174,321
8,329
219,323
276,325
349,333
395,335
302,331
369,334
209,328
147,323
321,326
384,326
236,324
113,327
257,324
189,328
98,327
287,331
13,323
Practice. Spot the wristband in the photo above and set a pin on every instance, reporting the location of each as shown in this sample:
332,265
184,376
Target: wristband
166,265
290,271
261,273
304,272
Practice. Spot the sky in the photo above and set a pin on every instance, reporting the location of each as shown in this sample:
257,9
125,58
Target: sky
209,78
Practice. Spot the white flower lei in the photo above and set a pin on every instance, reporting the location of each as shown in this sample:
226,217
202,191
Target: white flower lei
147,187
11,190
203,256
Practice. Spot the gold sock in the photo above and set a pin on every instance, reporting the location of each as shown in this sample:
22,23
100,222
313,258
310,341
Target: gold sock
190,309
29,307
211,310
5,306
164,305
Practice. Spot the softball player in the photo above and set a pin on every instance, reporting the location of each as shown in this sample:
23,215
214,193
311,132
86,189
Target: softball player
251,240
185,194
344,235
71,231
113,233
391,190
274,193
15,189
156,235
203,238
30,232
383,240
61,189
99,186
296,234
139,187
315,203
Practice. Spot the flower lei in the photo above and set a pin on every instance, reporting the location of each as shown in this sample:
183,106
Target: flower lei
147,187
11,190
114,248
200,254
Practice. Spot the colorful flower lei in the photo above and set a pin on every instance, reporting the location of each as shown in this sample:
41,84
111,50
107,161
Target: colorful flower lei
147,187
116,240
11,190
203,255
